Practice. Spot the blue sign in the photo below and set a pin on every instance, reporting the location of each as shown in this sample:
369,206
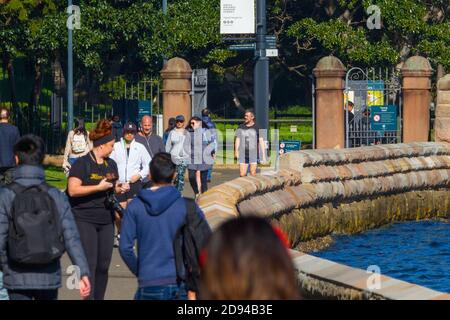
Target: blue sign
132,110
383,118
289,146
144,109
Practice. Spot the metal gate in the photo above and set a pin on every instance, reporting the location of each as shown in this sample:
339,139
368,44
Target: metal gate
373,107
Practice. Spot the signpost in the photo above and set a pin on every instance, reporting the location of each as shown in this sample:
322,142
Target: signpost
237,16
289,146
383,118
243,46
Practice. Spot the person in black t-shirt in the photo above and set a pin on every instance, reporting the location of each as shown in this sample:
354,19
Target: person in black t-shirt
91,179
248,145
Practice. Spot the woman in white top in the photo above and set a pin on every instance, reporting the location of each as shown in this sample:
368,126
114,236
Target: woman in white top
77,145
178,150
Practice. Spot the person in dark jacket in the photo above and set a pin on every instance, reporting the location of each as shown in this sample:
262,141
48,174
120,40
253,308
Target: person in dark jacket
10,135
152,142
117,128
152,220
38,282
210,125
170,127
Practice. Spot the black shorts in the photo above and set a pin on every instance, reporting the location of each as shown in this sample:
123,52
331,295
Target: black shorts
248,158
134,190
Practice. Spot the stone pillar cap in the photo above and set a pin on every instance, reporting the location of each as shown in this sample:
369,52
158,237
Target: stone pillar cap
444,83
176,68
417,66
329,66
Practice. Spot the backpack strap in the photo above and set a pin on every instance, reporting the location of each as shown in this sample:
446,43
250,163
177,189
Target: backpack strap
191,209
178,244
16,187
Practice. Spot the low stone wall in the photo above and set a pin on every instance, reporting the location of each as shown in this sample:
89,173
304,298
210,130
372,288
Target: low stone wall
318,192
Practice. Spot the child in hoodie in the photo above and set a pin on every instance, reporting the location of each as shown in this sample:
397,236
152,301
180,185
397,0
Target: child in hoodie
152,219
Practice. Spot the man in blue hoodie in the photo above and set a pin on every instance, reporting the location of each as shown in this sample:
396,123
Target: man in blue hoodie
152,220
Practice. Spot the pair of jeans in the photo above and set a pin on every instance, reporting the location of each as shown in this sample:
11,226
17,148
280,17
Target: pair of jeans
167,292
179,180
3,292
51,294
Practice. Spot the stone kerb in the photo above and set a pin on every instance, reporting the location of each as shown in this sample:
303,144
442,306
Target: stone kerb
343,191
321,278
221,202
442,121
297,160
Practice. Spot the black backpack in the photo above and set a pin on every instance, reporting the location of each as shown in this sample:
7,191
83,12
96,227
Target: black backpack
35,232
190,238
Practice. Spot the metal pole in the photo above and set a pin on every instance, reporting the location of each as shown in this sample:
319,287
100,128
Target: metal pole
261,71
70,78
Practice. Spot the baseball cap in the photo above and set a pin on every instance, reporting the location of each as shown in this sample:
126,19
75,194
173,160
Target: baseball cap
130,127
179,118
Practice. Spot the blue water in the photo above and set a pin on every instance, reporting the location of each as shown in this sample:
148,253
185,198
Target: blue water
416,252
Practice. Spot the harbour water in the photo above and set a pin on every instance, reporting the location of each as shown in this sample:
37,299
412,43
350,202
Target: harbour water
416,252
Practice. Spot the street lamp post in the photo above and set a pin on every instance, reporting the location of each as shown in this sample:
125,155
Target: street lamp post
261,70
70,76
261,73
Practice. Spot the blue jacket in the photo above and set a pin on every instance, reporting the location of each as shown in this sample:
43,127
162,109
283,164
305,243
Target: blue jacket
10,135
212,129
48,277
153,219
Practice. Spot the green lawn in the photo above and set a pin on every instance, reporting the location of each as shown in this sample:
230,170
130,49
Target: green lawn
55,177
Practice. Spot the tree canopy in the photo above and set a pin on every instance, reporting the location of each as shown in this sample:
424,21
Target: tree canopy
125,37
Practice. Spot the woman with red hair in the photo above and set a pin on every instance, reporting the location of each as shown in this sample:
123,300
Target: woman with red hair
92,181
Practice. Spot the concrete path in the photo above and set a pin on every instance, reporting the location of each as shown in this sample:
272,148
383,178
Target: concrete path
122,284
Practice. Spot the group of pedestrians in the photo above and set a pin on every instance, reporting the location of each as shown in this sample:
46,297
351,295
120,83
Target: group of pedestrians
193,147
130,180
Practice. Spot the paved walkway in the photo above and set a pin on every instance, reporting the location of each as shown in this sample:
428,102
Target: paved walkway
122,284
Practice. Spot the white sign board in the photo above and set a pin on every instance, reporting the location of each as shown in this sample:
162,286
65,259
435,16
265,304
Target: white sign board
271,52
237,16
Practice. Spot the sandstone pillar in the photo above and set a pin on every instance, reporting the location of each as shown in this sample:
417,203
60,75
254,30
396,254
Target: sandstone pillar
329,73
442,121
416,73
176,76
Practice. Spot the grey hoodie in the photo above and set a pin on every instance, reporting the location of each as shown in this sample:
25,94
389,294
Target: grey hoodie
47,277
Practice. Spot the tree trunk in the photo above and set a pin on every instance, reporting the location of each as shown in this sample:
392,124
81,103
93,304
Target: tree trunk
34,99
59,82
8,65
237,102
